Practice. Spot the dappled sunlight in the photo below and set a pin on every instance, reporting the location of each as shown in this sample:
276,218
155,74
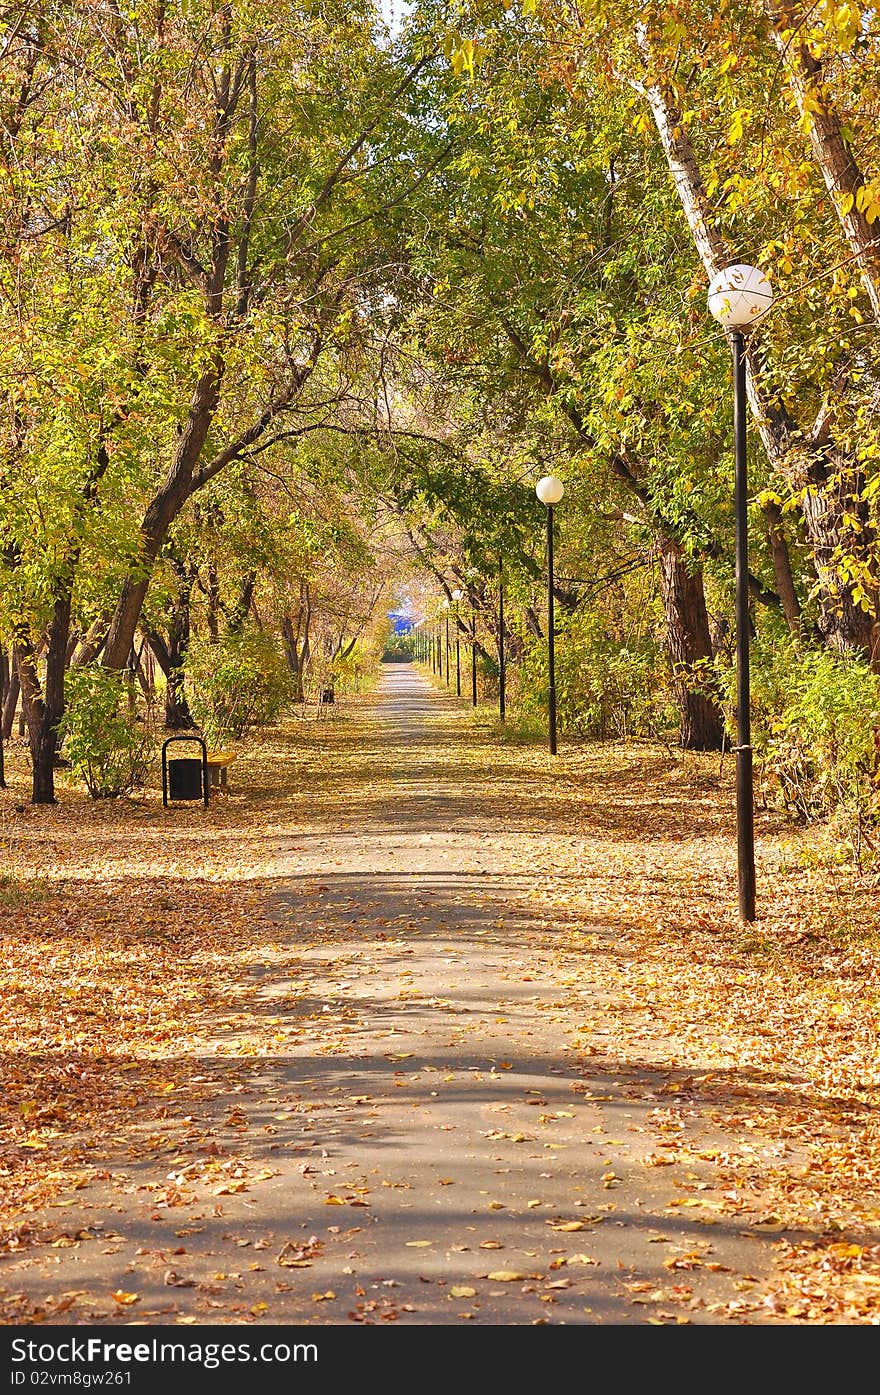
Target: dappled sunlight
444,985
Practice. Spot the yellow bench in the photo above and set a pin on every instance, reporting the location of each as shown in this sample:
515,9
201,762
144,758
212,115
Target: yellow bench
218,770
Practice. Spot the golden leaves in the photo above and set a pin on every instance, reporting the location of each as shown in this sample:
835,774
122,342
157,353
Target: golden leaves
294,1256
745,1044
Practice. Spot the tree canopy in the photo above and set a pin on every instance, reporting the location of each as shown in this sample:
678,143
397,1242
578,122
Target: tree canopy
297,306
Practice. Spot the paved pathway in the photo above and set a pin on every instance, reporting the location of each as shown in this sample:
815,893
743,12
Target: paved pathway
439,1153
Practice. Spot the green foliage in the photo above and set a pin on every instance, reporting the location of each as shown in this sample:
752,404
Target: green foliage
605,689
108,745
398,650
817,719
236,682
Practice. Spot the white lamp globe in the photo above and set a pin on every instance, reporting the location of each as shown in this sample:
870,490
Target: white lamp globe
739,295
549,490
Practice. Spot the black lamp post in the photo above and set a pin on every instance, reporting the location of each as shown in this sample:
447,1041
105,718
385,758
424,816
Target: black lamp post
456,597
473,653
550,490
501,673
738,296
447,643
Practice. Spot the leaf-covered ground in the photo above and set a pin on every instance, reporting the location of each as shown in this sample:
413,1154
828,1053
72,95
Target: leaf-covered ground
421,1026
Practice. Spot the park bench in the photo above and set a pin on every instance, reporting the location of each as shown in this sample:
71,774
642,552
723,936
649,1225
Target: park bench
218,770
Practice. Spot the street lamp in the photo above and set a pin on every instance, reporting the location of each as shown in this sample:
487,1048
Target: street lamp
738,297
456,597
501,673
473,652
550,490
446,614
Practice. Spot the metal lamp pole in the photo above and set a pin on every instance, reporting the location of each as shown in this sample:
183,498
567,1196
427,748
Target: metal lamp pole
745,796
551,639
550,490
447,644
456,597
501,674
738,296
473,654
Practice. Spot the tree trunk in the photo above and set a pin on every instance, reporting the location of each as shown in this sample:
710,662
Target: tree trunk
785,587
842,175
144,670
161,513
830,483
240,611
43,705
291,653
212,595
177,716
296,644
4,687
170,659
11,700
689,645
533,624
91,643
177,713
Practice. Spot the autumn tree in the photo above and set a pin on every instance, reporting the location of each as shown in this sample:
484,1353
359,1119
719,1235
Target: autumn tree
195,190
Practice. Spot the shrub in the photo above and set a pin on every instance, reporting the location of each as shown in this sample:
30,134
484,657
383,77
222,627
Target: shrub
817,720
235,683
107,745
604,690
398,650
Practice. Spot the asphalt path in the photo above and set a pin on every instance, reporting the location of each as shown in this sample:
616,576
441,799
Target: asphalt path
434,1152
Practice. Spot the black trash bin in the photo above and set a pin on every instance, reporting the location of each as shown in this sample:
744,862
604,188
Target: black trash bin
185,777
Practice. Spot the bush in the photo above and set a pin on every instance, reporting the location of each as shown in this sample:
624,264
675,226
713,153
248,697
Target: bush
235,683
817,718
107,745
618,693
398,649
604,690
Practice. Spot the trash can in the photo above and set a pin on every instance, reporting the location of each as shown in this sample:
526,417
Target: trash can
185,777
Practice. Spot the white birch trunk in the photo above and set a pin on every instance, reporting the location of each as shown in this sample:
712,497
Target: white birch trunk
843,177
828,480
